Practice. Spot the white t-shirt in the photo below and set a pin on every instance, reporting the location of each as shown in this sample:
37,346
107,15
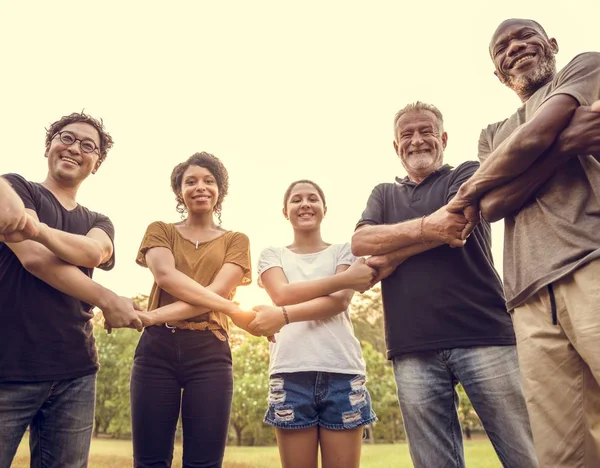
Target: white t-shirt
318,345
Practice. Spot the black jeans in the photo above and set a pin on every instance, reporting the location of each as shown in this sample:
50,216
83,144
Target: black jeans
180,370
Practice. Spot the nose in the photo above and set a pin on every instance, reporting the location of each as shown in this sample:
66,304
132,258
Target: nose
75,147
515,46
304,203
417,139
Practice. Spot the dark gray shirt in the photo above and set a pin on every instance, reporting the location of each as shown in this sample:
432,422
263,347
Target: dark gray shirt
558,231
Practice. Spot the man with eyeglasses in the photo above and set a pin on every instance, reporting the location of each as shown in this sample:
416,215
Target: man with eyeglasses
48,358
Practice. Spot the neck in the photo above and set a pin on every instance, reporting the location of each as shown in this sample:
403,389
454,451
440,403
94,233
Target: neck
200,221
419,176
525,94
309,241
66,194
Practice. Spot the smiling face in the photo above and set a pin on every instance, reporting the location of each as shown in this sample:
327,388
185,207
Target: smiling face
199,190
420,143
524,57
68,164
305,207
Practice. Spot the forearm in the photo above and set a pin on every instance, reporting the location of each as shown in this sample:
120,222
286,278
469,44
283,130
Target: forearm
303,291
68,279
72,248
320,308
505,200
385,238
519,151
201,298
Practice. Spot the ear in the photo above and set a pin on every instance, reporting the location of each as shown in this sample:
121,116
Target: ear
444,140
553,44
285,213
324,210
46,152
396,147
499,76
97,166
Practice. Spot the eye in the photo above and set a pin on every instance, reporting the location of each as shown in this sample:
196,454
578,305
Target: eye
67,138
210,181
88,146
527,35
190,182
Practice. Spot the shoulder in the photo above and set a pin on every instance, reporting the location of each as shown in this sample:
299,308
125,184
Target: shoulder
343,251
235,236
271,252
19,183
468,167
585,59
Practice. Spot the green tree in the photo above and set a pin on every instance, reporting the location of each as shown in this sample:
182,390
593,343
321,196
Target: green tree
367,318
115,353
251,387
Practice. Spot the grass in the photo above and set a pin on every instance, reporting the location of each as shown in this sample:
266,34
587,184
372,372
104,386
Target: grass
108,453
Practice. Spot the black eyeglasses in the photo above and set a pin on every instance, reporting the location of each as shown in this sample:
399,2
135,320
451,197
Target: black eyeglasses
68,138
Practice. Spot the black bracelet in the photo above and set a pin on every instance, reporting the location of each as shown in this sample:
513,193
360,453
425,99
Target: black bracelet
285,315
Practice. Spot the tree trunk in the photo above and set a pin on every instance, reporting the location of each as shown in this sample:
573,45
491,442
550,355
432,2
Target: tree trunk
238,434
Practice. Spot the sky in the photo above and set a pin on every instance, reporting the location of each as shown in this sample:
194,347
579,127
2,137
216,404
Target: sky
278,90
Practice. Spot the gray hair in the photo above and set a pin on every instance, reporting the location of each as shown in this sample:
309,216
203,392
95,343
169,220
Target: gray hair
418,107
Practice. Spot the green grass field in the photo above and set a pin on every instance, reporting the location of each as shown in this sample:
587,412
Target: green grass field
107,453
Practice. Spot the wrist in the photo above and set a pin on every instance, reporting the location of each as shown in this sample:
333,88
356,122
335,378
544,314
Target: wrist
105,298
43,234
285,316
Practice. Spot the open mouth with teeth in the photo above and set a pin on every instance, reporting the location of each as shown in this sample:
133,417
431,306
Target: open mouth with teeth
305,215
201,198
70,160
521,60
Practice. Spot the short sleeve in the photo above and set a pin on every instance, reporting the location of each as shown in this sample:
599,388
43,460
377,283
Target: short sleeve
580,79
238,253
157,235
484,148
459,176
104,223
345,256
373,213
269,258
23,188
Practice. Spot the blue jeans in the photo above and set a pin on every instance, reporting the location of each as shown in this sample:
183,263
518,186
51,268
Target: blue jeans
490,376
298,400
60,415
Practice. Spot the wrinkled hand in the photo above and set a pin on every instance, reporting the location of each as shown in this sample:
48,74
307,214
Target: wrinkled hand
242,319
269,320
582,135
27,228
473,216
122,312
360,275
383,267
445,226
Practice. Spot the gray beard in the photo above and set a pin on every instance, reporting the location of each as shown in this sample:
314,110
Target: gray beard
528,84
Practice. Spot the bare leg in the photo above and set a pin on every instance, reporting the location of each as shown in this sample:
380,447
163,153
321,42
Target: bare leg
340,449
298,448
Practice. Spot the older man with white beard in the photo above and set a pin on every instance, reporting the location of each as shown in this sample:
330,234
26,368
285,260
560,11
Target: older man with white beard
541,172
445,316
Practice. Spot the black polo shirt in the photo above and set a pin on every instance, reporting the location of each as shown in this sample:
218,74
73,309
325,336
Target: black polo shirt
445,297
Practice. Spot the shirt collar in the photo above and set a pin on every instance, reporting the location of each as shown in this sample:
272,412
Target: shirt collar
442,170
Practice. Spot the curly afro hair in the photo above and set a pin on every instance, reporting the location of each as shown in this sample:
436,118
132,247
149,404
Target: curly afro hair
106,141
214,165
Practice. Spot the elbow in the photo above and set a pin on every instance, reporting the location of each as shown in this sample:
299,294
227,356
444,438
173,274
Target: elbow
492,210
34,265
93,260
162,279
279,299
358,245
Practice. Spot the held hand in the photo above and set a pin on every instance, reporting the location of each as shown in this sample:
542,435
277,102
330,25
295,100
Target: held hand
243,319
27,228
147,319
360,275
382,266
269,320
473,216
444,226
121,312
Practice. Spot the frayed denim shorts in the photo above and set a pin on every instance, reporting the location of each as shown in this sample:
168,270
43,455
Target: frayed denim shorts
334,401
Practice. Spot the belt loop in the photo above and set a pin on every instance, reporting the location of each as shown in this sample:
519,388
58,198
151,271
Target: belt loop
552,305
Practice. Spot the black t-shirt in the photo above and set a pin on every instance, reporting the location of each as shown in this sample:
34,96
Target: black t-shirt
45,334
445,297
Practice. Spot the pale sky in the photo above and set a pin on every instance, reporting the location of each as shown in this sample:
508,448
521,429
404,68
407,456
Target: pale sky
277,90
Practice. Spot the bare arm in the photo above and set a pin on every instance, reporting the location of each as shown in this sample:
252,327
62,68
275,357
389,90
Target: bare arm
161,262
89,251
283,293
270,319
582,136
12,211
70,280
518,152
226,280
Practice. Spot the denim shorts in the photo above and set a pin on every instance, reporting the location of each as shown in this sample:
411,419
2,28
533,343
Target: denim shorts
305,399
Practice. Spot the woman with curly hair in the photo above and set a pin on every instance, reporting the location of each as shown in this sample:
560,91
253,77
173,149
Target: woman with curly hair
183,362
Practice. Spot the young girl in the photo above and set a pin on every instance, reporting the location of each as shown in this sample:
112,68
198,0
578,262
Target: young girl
318,396
183,361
